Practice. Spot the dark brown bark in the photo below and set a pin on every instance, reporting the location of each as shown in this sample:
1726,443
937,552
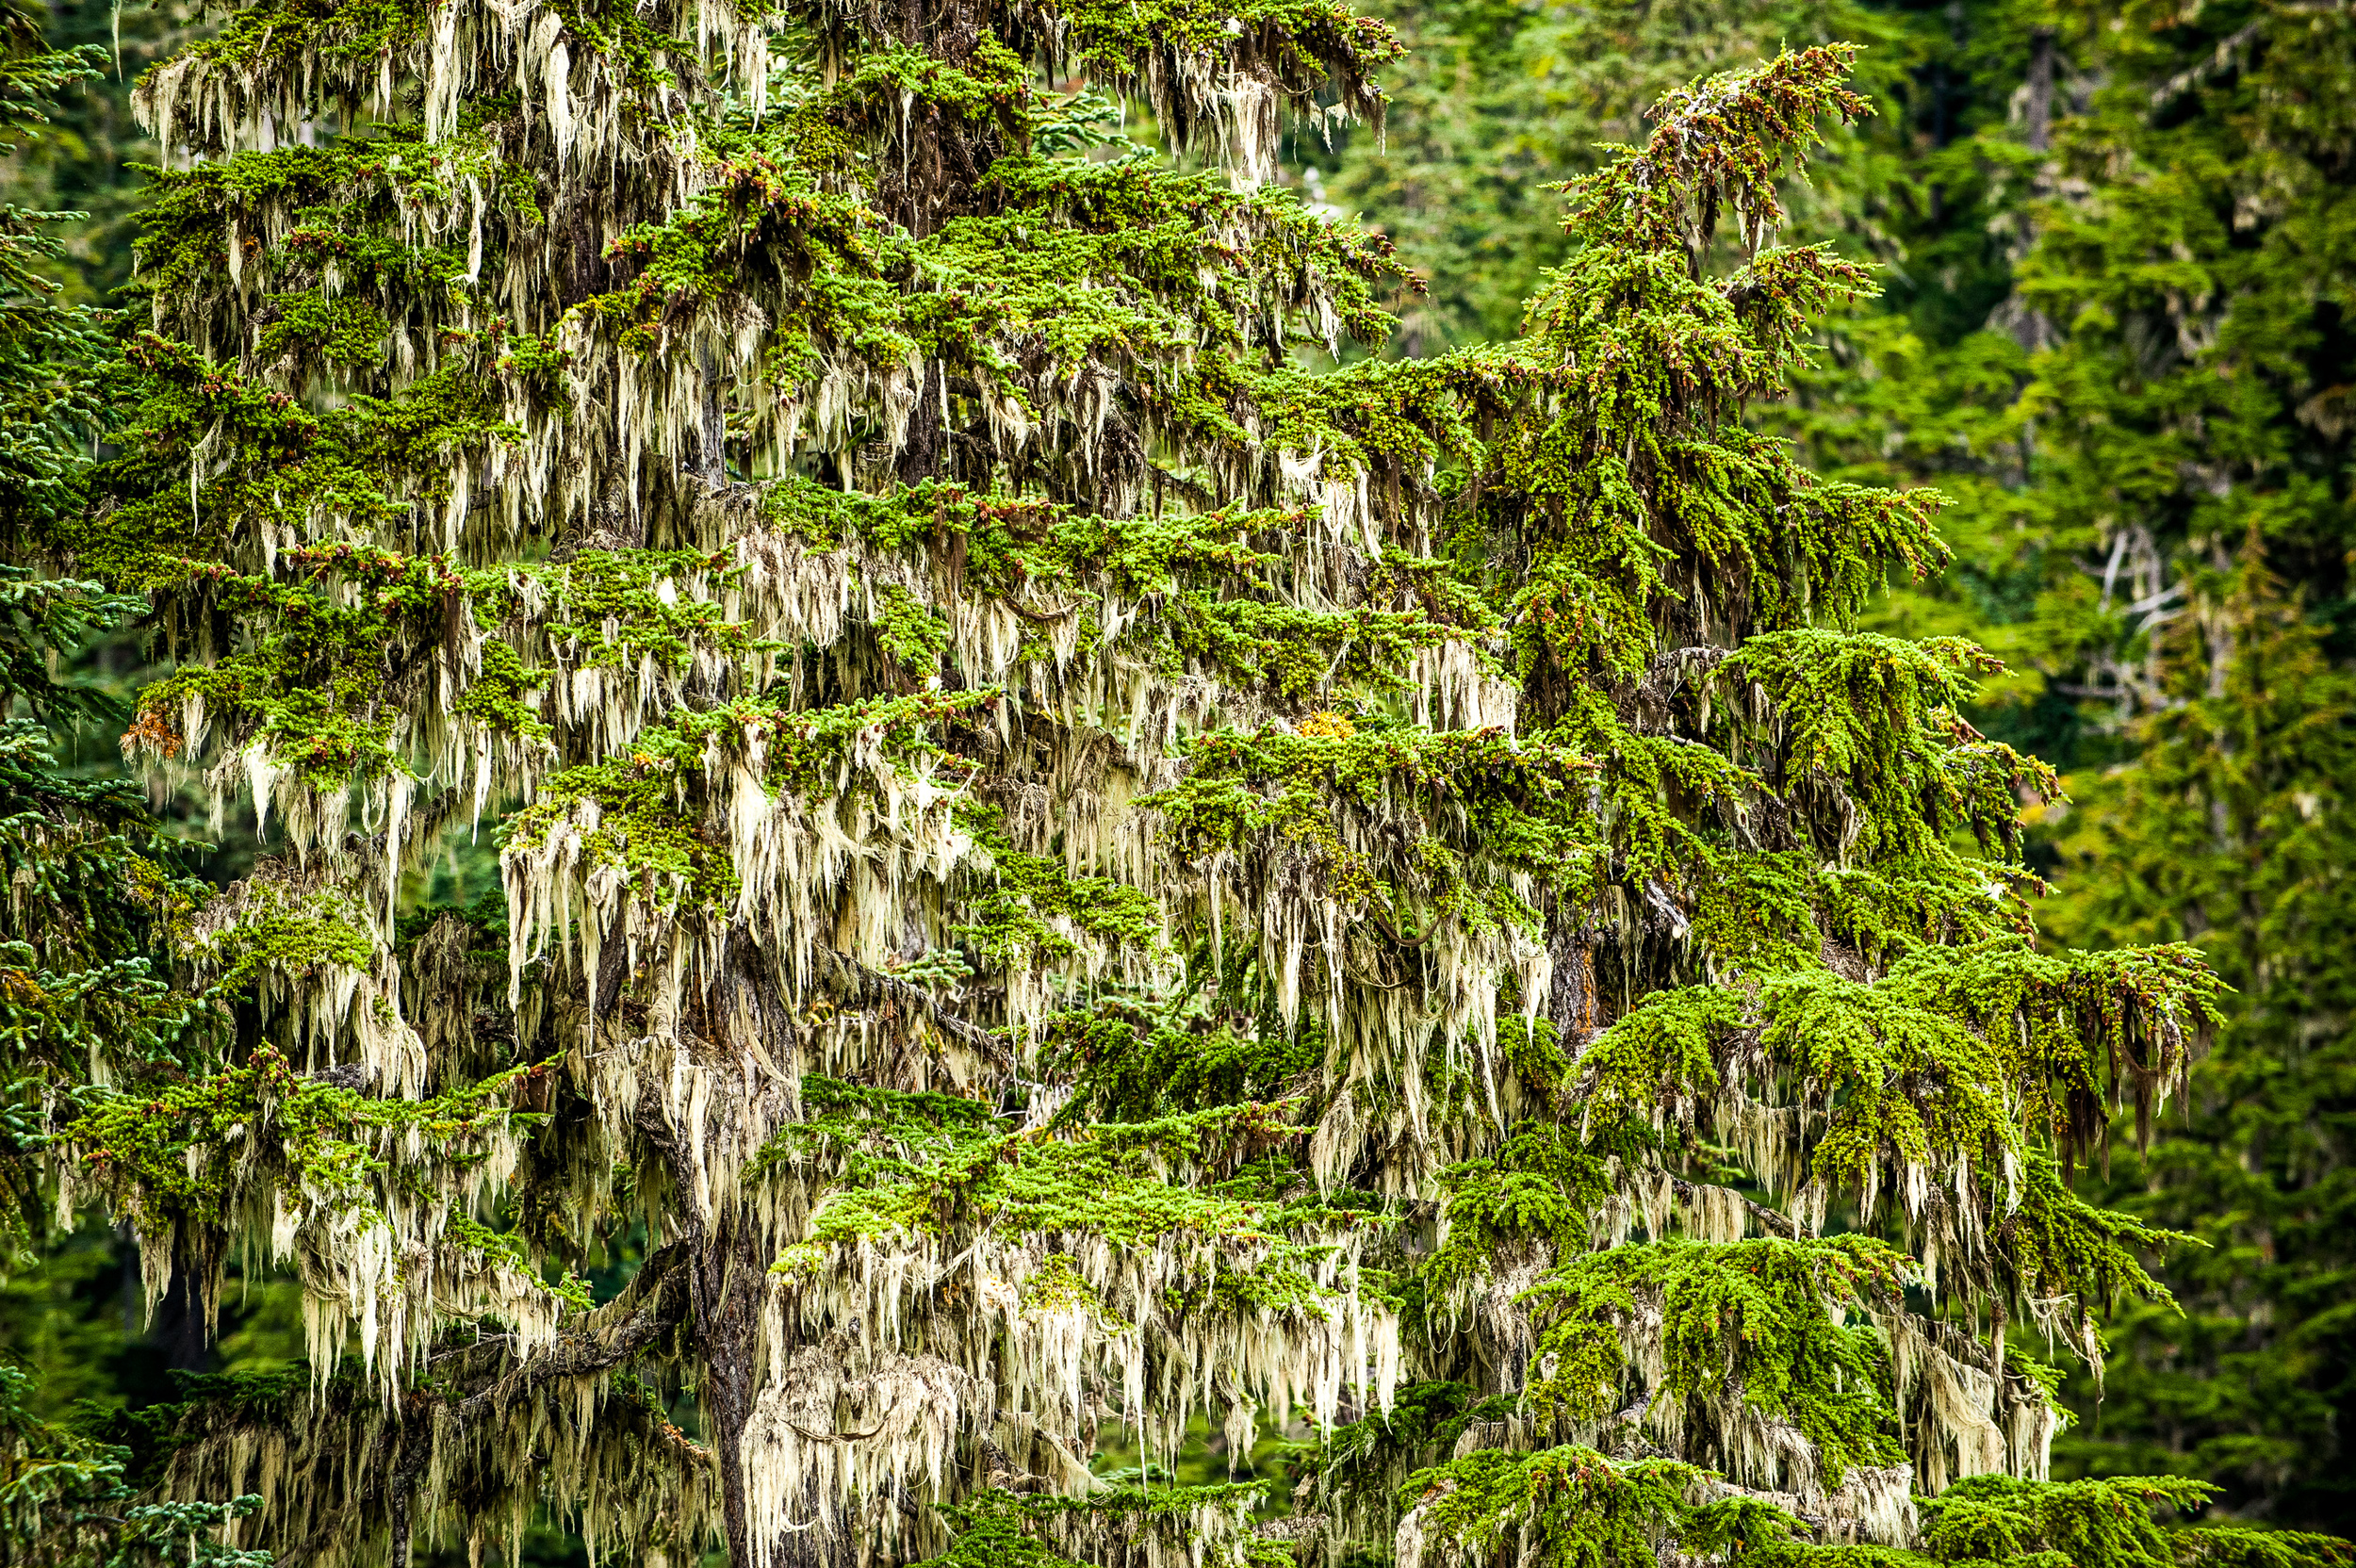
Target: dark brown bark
1571,1004
412,1444
713,458
723,1293
724,1274
920,457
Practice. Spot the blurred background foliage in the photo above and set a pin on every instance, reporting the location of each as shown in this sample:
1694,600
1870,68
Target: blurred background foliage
2119,243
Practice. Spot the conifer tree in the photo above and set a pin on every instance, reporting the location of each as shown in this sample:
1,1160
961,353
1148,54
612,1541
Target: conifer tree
1075,872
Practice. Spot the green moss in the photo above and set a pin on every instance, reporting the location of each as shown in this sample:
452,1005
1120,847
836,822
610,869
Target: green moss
501,694
370,459
642,828
506,1249
622,608
911,635
1199,565
1058,1285
1298,653
185,1151
1924,1067
285,37
1137,1063
291,936
1880,717
1764,1316
1541,1186
1522,801
486,920
935,1163
1012,924
2104,1522
1112,1182
343,333
1583,1507
346,203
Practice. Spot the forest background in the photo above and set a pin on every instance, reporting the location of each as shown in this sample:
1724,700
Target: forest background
2116,244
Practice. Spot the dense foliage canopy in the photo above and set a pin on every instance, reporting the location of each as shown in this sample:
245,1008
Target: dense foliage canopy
2116,248
1089,863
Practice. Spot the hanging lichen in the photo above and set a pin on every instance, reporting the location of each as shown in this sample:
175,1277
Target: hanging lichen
1076,873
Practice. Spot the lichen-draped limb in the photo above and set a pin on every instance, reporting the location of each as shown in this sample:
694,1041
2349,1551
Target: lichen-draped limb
1130,1272
337,1466
368,1201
